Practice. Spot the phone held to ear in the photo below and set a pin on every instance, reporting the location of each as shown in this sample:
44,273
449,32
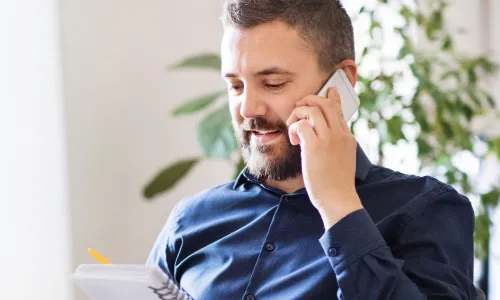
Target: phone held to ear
348,97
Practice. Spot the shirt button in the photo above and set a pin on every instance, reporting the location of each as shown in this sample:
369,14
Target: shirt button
288,199
332,251
269,247
250,297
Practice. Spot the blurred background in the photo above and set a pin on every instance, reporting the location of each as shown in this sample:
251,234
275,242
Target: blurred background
88,91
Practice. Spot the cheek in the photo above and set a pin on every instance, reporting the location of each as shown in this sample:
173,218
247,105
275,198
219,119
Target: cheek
278,108
234,109
283,110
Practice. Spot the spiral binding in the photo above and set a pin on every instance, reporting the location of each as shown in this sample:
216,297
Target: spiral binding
171,291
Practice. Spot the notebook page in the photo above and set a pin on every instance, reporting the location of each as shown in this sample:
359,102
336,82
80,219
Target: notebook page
122,271
125,282
113,289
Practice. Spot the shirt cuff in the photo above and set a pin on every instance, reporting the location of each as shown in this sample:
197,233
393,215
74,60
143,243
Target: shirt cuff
352,237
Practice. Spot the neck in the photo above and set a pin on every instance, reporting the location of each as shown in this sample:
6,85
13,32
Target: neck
288,186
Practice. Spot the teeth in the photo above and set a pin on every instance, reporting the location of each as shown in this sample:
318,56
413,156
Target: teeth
265,132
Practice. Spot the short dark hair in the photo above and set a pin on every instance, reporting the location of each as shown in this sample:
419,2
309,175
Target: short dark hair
324,24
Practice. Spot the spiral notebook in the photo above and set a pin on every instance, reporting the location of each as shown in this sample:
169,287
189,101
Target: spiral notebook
127,282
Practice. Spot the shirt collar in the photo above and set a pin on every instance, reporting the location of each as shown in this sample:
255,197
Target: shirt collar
363,167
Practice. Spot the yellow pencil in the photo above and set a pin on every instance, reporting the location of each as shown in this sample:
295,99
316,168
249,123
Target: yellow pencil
98,256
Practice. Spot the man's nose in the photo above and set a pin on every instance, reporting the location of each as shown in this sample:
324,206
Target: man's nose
252,105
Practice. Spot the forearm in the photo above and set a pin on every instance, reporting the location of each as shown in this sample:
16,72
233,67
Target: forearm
366,268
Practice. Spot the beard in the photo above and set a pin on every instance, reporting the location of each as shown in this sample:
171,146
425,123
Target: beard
278,161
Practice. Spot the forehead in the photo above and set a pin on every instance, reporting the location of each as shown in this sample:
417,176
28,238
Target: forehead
247,50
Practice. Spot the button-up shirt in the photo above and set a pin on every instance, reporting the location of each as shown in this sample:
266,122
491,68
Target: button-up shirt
413,239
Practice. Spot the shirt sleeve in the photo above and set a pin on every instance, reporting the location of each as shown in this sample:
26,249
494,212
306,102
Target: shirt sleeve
432,258
163,253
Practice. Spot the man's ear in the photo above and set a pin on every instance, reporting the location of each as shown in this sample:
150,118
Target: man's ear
351,70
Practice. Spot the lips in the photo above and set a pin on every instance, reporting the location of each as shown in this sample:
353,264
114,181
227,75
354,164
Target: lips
263,137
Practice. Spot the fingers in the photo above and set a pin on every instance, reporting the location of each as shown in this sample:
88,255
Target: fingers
330,107
302,133
313,116
337,103
326,105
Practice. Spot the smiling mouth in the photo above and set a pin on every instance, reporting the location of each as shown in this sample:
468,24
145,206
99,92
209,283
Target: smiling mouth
263,132
264,137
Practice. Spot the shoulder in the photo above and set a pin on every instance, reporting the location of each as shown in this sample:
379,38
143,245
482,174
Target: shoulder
412,205
207,198
411,194
201,205
411,184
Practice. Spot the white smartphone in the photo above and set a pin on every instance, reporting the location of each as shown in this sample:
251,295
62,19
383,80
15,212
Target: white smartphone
348,97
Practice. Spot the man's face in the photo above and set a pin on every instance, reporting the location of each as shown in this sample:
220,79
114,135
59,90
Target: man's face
268,69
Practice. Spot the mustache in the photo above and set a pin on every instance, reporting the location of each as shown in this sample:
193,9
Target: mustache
262,124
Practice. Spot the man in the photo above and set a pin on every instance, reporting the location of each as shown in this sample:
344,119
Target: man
310,217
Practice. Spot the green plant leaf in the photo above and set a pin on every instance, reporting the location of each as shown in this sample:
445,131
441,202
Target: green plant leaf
365,52
482,234
216,135
487,65
424,149
421,117
447,44
466,187
468,67
239,167
445,160
451,73
472,93
197,104
168,177
415,72
400,31
406,13
403,52
374,25
394,129
495,146
491,101
446,129
368,97
450,177
420,18
435,23
491,198
383,96
202,61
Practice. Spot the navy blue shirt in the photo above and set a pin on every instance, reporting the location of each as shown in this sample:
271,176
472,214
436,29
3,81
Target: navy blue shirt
245,240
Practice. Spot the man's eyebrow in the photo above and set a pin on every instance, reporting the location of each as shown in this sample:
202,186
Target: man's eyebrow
274,71
267,71
229,75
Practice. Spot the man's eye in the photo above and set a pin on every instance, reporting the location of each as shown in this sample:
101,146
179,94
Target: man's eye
275,86
235,87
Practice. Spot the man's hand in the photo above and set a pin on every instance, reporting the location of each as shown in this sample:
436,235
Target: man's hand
328,155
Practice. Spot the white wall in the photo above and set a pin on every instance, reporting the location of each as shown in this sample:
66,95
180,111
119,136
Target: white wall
119,99
35,247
